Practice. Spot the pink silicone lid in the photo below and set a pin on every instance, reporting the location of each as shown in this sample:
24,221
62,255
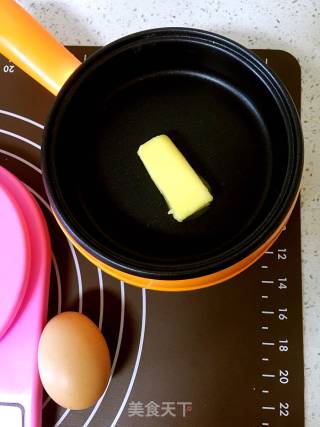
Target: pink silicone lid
14,257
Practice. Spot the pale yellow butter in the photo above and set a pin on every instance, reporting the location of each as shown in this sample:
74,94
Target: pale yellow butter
179,184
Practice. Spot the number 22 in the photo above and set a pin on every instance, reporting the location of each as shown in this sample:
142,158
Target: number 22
284,409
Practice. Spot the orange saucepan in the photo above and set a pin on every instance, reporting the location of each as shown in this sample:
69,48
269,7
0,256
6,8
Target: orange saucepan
224,108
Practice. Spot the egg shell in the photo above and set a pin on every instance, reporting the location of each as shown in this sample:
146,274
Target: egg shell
74,360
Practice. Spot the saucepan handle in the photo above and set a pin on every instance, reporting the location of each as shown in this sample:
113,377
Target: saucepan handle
33,49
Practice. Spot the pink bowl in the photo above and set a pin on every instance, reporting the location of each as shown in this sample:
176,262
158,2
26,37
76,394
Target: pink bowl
24,283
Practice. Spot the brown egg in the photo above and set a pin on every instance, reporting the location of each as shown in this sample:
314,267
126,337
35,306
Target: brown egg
74,360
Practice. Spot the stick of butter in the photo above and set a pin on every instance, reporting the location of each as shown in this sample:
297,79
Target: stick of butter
179,184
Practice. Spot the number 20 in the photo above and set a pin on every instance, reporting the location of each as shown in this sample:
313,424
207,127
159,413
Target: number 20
8,68
283,376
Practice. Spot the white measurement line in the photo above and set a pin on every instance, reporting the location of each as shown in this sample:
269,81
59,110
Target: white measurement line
136,366
268,343
267,312
265,328
269,408
269,253
265,296
264,266
115,359
266,61
21,138
265,359
268,375
265,391
25,119
266,282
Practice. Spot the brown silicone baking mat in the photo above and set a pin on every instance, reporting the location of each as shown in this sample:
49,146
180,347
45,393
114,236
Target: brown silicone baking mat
227,356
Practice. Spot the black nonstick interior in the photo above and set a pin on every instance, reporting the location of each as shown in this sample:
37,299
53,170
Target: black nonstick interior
232,125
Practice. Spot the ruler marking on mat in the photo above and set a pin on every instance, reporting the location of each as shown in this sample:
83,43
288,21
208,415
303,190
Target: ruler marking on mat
278,301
